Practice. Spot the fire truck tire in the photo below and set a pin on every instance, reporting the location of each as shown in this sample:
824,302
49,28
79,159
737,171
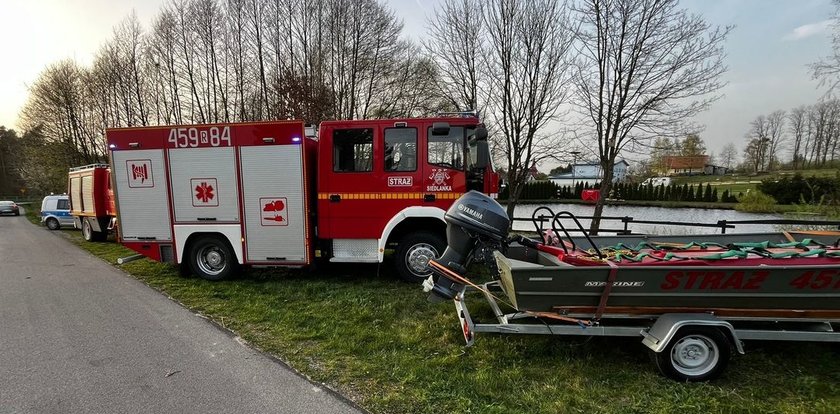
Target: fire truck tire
414,252
90,235
52,224
695,354
211,258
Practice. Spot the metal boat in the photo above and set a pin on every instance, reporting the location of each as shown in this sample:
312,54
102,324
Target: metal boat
697,279
791,274
692,299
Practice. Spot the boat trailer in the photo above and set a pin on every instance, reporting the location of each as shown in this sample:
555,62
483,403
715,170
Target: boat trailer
685,346
690,303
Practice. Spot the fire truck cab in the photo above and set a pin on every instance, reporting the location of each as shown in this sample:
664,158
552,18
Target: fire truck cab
214,197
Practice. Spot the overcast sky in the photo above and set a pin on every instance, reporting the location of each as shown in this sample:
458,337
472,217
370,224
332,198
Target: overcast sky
767,52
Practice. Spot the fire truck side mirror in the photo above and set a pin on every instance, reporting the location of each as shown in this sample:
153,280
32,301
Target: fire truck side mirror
440,128
482,148
482,159
481,133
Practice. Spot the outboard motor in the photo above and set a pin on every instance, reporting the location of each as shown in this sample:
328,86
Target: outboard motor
473,219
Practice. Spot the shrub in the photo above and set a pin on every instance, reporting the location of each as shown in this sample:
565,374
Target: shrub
756,202
797,189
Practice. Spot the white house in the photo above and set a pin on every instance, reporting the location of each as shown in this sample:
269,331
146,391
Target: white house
589,173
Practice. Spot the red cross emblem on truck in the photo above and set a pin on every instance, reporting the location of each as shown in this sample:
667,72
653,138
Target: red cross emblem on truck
205,192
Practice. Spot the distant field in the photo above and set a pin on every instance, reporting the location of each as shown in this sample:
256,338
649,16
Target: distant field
740,183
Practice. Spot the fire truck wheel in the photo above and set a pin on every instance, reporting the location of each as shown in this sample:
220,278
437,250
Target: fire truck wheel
694,354
90,235
414,252
87,232
52,224
212,259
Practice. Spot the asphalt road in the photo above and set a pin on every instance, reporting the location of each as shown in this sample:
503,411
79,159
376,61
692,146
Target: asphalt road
78,336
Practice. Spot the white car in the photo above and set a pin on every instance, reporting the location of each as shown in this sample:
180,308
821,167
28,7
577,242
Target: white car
55,211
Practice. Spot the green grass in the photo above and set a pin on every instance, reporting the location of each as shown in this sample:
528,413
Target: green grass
379,342
740,183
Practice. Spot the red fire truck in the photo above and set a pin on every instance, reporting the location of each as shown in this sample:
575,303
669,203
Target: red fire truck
215,197
91,200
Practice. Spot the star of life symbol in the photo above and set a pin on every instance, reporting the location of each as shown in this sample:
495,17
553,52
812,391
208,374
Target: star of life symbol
139,173
439,178
204,192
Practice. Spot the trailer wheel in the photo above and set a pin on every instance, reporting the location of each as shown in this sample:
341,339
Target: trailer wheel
413,254
694,354
90,235
212,259
52,224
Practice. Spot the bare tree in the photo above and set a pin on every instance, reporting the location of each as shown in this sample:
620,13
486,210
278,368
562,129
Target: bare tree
411,88
728,156
56,107
527,72
456,41
161,68
776,135
823,133
758,138
827,69
206,22
645,67
753,155
798,130
820,117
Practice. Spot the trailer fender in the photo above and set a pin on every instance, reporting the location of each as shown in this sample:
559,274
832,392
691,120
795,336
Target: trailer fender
232,232
666,326
407,214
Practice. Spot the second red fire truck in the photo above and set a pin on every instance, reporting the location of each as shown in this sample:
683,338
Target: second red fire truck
216,197
91,200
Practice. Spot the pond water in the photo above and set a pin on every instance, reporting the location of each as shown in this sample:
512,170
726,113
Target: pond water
687,215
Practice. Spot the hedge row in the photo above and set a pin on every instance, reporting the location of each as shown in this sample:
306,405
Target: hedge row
812,190
547,190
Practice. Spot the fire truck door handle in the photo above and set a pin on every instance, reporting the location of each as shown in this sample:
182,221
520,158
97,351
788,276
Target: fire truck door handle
334,198
429,197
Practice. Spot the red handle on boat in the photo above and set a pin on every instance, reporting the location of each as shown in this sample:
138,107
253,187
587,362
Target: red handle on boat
555,251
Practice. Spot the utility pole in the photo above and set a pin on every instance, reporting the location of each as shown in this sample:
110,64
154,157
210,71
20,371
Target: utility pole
574,162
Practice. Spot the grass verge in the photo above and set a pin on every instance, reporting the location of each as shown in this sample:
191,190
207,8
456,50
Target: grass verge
378,341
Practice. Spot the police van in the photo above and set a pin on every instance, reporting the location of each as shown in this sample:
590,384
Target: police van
55,212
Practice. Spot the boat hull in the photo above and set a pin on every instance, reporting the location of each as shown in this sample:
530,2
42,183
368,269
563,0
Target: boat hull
537,281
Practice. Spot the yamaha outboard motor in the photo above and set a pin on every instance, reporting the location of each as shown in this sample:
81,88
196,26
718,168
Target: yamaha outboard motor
473,219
